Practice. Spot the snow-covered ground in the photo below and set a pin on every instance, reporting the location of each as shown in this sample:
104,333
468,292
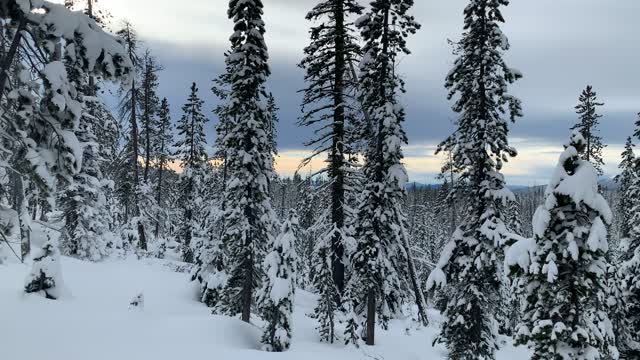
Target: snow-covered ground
95,322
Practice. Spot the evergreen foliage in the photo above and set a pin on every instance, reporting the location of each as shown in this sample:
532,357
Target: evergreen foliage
380,259
325,310
479,147
564,278
277,296
248,216
328,106
191,152
588,127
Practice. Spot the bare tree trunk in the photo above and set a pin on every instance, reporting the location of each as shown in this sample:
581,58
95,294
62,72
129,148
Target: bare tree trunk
247,291
159,190
142,237
422,305
23,216
371,317
147,127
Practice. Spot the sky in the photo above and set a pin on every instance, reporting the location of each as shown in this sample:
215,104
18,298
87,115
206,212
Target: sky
559,45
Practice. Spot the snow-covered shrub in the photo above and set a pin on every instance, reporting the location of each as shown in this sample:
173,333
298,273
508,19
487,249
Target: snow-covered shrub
137,302
45,277
277,295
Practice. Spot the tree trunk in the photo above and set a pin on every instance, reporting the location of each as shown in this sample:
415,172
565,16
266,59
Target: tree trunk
159,190
147,127
337,153
247,291
422,306
23,216
142,237
371,317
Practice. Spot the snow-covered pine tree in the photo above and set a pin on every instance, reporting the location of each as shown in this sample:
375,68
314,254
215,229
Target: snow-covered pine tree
277,295
380,261
589,120
324,284
479,148
149,105
563,269
84,206
628,274
618,306
45,277
625,180
248,216
272,129
326,105
514,219
82,199
512,300
190,150
163,153
629,330
42,112
128,108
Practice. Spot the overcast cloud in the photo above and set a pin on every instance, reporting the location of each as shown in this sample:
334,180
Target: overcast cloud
559,45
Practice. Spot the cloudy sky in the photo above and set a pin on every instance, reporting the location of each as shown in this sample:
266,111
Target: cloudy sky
559,45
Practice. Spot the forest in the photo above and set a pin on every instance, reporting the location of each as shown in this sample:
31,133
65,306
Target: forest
127,233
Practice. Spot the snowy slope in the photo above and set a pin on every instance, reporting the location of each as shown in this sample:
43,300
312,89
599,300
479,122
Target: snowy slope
95,322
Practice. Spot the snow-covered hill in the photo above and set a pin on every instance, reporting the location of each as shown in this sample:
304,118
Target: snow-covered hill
95,321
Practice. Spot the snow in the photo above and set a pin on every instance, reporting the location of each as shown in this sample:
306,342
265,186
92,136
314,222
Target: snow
520,254
598,236
101,49
96,322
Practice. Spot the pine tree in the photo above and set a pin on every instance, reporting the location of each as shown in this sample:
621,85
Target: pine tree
564,280
588,127
272,129
192,155
514,219
380,261
510,310
277,296
618,308
42,116
323,282
248,216
326,105
625,180
82,197
150,105
164,155
84,206
628,274
629,330
479,147
129,106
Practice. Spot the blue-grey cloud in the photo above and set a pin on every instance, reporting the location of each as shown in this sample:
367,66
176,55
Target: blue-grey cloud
560,46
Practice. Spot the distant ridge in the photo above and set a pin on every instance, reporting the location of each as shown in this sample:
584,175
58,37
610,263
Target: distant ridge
605,182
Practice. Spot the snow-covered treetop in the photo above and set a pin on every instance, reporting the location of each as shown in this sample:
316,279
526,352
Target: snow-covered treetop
577,179
248,55
101,52
479,83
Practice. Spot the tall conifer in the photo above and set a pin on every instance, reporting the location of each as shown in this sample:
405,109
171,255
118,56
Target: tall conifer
471,263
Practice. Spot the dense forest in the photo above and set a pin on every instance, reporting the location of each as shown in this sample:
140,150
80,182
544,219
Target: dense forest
554,268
